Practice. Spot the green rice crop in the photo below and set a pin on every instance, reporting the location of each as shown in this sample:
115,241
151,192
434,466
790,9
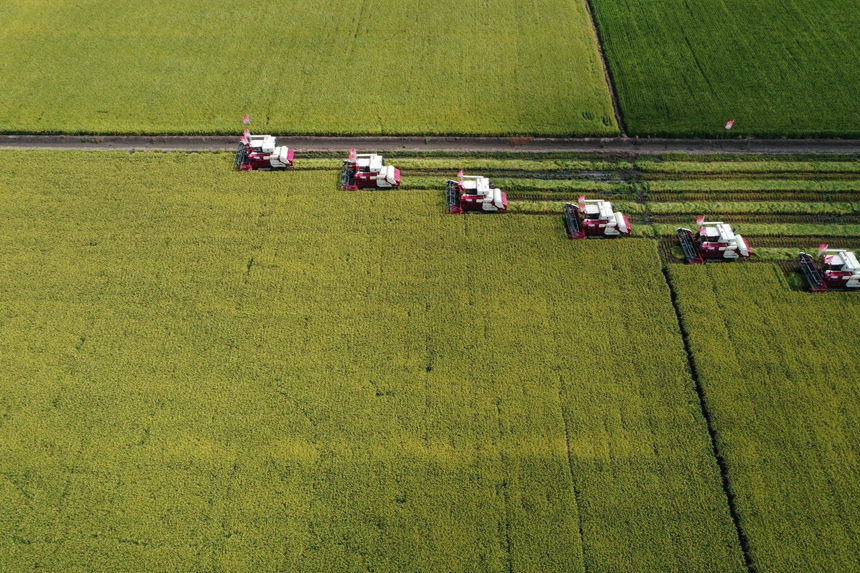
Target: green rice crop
454,164
756,229
777,68
749,207
777,370
749,167
558,206
205,369
752,185
304,67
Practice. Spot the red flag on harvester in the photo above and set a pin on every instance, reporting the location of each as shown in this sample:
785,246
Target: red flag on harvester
246,120
729,124
700,220
581,201
821,248
460,174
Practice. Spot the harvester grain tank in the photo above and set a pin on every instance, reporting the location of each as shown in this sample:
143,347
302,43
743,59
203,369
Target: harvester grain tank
594,218
713,241
368,171
839,270
474,193
262,152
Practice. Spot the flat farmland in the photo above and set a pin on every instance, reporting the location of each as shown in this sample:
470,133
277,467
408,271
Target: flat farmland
778,374
206,369
684,68
303,67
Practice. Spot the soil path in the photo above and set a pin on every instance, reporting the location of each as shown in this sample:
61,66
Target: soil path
616,145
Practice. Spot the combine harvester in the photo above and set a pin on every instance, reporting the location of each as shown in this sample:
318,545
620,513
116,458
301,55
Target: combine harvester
839,270
367,171
474,193
715,241
594,218
262,152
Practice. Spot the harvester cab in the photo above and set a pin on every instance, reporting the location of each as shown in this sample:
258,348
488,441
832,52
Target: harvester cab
262,152
594,218
368,171
474,193
839,270
716,241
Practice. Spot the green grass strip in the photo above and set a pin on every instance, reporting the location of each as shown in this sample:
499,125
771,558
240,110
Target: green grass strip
756,230
557,207
749,167
709,207
751,186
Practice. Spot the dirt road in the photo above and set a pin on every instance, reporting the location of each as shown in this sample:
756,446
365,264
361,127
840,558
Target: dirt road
616,145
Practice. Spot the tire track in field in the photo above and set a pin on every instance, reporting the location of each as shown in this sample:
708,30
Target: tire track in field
576,494
715,451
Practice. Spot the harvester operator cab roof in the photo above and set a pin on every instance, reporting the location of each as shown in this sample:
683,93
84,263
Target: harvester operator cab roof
842,261
263,143
369,163
476,185
716,233
598,209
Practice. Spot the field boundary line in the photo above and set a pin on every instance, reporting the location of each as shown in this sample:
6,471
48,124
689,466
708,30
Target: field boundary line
607,76
712,434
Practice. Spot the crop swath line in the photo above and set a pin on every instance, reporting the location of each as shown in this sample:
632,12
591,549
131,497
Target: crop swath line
576,493
721,463
505,495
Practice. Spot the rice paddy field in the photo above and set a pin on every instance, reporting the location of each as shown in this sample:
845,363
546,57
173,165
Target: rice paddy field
778,372
683,69
496,67
211,370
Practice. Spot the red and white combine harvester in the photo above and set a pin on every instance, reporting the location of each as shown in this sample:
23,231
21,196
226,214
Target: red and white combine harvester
368,171
474,193
716,241
594,218
262,152
839,270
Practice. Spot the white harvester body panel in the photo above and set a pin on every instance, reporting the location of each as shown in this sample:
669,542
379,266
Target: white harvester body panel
370,163
723,234
742,246
263,143
619,222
